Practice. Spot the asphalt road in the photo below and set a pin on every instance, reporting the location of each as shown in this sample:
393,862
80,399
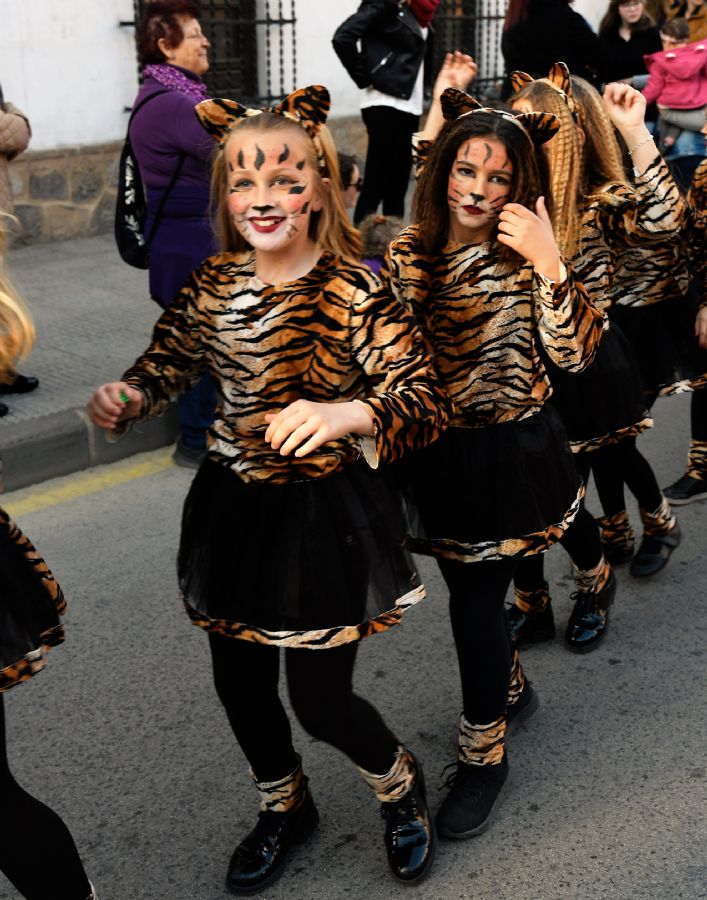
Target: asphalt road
124,736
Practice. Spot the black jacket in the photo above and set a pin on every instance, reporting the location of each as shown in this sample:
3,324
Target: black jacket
554,32
391,47
625,58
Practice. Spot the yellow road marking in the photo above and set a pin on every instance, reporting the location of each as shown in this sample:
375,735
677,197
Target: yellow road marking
81,485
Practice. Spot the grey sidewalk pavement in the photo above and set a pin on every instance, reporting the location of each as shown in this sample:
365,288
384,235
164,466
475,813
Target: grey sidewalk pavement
93,315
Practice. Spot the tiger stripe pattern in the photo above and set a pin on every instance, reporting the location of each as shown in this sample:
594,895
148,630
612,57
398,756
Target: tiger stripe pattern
697,459
616,531
283,796
531,602
481,745
517,682
697,232
331,336
321,639
660,521
397,782
24,668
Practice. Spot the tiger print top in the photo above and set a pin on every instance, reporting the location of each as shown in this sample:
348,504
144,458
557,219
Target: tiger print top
484,326
628,242
332,335
697,211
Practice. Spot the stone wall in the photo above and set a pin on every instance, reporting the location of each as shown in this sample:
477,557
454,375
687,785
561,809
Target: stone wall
68,193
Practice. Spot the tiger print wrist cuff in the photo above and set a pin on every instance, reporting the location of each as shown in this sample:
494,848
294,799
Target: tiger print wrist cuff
283,796
397,782
481,745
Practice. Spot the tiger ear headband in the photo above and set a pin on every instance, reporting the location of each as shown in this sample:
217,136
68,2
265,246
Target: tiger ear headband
558,78
539,126
308,106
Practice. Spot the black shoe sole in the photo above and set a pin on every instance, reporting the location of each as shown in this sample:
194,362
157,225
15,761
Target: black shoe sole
277,873
522,716
669,542
485,825
685,500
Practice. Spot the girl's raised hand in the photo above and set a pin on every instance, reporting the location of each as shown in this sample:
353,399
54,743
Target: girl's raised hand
701,328
530,234
305,425
113,403
626,106
458,71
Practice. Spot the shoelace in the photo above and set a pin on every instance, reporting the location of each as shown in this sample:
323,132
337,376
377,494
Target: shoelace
466,787
583,602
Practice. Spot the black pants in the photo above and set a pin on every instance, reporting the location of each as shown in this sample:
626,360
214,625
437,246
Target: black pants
37,853
480,627
698,414
320,685
620,464
388,160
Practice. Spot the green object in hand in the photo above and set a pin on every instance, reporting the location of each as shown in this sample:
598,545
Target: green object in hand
124,397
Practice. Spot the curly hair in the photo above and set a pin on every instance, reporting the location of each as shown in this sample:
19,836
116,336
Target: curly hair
160,20
603,162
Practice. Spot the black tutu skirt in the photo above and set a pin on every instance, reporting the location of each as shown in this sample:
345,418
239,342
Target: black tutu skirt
314,563
605,403
662,337
31,602
488,493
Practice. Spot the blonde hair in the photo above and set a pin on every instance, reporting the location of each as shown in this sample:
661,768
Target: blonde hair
566,157
603,165
16,328
330,227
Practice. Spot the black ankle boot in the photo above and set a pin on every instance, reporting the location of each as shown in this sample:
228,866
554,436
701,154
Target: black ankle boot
530,627
21,384
4,409
410,839
590,617
519,712
475,793
259,859
654,552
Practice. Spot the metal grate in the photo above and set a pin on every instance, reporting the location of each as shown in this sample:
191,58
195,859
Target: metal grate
473,26
253,55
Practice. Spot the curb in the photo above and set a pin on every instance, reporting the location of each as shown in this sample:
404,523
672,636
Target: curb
65,442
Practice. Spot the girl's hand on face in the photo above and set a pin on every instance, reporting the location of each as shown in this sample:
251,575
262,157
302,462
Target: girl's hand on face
113,403
530,234
701,328
305,425
458,71
625,105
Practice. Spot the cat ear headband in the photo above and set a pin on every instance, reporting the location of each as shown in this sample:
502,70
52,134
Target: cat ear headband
558,78
308,106
539,126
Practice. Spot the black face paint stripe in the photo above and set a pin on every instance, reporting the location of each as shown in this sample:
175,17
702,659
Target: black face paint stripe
241,160
259,157
300,165
489,151
298,189
305,208
284,155
230,166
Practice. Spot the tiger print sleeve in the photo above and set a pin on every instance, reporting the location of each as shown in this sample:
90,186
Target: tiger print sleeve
652,211
173,362
697,226
410,405
569,325
420,154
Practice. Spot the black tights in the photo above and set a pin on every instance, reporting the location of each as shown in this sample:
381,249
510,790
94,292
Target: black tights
320,685
698,414
37,853
620,464
476,609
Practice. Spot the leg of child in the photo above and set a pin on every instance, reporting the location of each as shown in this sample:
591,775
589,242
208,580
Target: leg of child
687,119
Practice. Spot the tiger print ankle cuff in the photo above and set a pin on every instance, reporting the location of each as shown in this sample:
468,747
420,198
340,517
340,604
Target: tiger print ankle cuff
481,745
285,795
593,580
515,688
660,521
531,602
697,460
397,782
616,530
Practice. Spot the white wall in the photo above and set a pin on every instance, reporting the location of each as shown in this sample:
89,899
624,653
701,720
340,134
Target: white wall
592,10
69,67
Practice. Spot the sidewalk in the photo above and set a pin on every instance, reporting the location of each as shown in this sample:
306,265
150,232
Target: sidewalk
94,316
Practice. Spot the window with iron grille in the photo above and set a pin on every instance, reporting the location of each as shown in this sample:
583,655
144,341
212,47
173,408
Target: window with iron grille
474,27
253,53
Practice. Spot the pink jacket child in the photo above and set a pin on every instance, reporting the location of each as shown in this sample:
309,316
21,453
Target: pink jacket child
677,81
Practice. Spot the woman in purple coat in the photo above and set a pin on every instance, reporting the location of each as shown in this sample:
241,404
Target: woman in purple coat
172,149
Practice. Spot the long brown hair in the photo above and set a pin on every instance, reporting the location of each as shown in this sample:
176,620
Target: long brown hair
16,328
612,20
330,227
566,157
603,163
430,209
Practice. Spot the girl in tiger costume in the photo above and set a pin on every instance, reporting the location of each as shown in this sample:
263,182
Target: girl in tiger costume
596,215
37,852
289,539
481,269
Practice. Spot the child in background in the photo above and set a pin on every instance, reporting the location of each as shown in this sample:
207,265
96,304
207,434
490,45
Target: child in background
377,232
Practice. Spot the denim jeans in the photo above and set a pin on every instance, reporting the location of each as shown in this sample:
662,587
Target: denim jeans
196,412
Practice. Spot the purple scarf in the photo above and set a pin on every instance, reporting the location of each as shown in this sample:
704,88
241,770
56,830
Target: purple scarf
177,79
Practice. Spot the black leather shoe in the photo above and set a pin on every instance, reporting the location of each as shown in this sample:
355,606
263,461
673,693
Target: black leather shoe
530,628
590,617
475,793
686,490
410,839
260,857
524,707
188,457
22,384
654,552
4,409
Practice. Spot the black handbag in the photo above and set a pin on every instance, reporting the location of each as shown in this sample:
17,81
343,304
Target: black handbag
131,205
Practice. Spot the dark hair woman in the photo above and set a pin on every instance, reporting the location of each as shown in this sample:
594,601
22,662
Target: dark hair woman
628,33
536,31
174,156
